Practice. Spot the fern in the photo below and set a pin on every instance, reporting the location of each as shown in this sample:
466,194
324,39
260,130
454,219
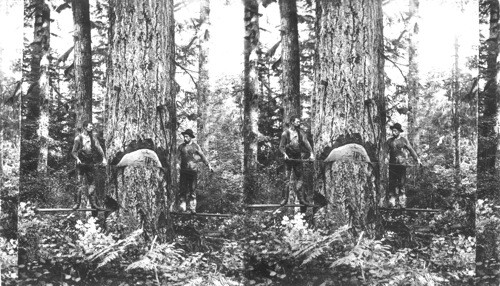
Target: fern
307,244
115,250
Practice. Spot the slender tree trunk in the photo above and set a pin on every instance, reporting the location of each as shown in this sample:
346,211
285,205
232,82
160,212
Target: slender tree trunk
142,92
349,102
456,117
45,96
83,61
203,86
250,100
290,59
413,76
204,79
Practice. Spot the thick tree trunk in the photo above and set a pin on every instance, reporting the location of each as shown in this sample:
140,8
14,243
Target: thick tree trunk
349,104
2,110
142,92
290,59
34,98
488,101
487,178
413,75
250,99
83,61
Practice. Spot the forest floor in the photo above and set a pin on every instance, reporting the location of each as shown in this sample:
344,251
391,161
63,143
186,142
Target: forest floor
262,248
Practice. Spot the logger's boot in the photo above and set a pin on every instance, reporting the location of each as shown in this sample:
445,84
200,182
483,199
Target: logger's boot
78,199
93,199
284,195
402,200
301,194
182,205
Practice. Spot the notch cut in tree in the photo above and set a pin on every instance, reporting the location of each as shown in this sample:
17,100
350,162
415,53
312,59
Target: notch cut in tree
349,99
141,104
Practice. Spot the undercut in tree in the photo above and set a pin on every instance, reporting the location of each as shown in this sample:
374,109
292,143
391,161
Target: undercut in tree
349,103
141,92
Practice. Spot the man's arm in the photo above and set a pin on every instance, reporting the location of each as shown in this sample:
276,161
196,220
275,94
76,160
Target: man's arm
203,157
76,148
99,149
308,145
283,144
412,151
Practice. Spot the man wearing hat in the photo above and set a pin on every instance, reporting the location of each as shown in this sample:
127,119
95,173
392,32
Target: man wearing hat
397,147
190,154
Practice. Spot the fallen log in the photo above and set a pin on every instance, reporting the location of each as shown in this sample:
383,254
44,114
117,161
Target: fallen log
411,210
202,214
262,206
72,210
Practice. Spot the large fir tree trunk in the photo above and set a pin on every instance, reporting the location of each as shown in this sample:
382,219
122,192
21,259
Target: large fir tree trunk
35,96
413,75
349,103
488,101
290,59
250,99
487,179
83,61
142,92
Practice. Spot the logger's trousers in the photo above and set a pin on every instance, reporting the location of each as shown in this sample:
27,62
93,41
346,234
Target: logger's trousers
187,190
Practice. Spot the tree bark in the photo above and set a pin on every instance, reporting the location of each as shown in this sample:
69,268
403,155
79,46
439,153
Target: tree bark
35,95
45,97
203,86
488,101
290,59
141,93
349,103
203,80
413,75
250,99
456,117
83,61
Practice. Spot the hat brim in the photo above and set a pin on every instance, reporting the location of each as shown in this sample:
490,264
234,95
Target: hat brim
398,129
190,135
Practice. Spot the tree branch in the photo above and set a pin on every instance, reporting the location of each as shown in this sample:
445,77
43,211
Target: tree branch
188,73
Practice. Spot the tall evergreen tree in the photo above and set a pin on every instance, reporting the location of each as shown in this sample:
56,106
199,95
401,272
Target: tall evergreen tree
142,93
83,61
290,59
250,98
413,74
349,105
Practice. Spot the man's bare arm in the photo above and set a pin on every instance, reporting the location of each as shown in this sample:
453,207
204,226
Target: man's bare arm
76,148
283,143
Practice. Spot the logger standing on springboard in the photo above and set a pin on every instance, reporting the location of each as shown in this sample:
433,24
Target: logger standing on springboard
396,146
292,143
189,154
86,151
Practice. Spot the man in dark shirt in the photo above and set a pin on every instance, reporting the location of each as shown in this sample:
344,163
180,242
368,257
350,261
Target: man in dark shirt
293,141
86,148
190,154
397,147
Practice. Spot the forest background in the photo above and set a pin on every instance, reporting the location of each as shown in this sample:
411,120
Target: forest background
441,119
